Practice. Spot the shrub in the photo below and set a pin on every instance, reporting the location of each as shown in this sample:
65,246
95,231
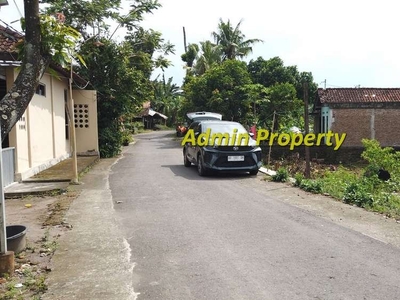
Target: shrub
380,158
298,178
138,127
334,182
110,142
126,138
387,203
311,185
358,193
282,175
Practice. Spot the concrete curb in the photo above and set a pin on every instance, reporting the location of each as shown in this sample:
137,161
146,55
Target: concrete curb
267,171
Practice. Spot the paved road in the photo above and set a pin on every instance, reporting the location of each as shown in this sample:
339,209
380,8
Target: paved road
230,237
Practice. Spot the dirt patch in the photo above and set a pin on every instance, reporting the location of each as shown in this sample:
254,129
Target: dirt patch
44,219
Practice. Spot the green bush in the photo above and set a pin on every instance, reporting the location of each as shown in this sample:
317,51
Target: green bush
358,193
110,141
282,175
298,178
381,158
126,138
334,182
387,203
138,127
311,185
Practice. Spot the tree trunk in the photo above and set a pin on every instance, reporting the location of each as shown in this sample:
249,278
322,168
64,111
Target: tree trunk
34,64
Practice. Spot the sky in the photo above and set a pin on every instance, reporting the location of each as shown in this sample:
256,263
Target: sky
343,43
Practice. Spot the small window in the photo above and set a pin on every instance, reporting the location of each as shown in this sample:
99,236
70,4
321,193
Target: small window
41,89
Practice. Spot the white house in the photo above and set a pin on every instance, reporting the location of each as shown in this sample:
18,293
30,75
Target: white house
42,137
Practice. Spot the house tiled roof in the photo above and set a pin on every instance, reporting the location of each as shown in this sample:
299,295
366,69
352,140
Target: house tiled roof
8,55
359,95
8,39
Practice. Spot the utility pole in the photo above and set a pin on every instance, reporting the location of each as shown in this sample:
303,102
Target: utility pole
306,125
270,146
73,133
184,39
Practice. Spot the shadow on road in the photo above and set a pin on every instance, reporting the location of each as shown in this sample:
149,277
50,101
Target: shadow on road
191,174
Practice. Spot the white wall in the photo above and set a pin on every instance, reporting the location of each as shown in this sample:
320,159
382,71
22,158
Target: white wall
39,136
85,115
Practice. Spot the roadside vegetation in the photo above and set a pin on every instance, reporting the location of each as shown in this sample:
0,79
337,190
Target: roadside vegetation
374,185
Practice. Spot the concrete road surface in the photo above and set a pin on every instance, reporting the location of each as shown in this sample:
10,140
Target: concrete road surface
240,237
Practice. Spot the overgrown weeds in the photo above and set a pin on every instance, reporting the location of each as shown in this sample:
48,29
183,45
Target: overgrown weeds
376,186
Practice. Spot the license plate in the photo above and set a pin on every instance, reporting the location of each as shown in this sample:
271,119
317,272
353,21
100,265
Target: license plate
236,158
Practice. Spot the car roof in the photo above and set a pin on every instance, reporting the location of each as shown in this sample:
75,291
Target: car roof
217,122
204,114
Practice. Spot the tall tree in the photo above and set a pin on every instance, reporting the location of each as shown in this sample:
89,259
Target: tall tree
210,55
232,41
91,17
119,71
167,98
273,71
220,89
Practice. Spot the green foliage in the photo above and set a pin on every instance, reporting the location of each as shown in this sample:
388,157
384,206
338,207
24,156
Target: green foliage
363,189
92,17
273,71
232,41
298,178
220,90
110,140
387,203
148,49
381,158
167,99
282,175
119,71
358,193
57,40
311,185
138,127
334,182
126,137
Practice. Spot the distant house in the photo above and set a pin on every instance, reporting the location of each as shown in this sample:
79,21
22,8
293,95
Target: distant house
41,138
372,113
150,117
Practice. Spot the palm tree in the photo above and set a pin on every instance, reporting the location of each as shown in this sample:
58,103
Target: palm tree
232,41
210,55
167,98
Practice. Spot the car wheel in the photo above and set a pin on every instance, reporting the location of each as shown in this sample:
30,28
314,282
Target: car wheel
186,161
200,167
254,172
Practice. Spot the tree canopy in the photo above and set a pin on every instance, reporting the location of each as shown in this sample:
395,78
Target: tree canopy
247,92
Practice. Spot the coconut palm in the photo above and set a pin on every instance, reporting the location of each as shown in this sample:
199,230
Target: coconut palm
232,41
210,55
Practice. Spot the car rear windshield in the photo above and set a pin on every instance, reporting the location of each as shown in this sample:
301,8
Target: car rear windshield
224,127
